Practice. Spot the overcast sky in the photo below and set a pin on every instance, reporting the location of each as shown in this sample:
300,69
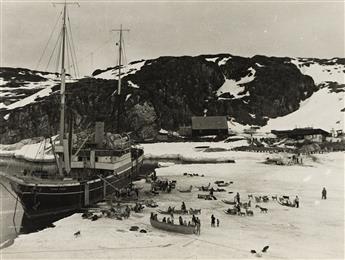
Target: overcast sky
157,28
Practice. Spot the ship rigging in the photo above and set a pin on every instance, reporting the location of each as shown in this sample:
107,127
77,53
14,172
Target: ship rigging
86,174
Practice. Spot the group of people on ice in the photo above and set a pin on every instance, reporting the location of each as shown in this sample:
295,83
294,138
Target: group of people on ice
213,221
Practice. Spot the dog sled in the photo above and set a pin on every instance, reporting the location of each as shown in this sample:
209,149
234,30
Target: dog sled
150,203
219,190
204,188
233,211
192,174
138,207
189,230
206,197
194,211
225,184
187,190
212,189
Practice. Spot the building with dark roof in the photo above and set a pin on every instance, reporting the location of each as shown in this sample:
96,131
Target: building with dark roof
311,134
209,125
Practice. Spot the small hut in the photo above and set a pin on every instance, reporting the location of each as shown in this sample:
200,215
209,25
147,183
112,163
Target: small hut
209,125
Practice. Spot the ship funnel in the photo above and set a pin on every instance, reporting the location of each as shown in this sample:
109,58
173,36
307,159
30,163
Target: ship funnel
99,134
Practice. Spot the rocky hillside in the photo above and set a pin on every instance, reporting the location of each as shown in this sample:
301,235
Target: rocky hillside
165,92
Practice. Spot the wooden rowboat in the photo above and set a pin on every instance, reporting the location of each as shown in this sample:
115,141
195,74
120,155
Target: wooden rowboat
230,202
206,197
173,227
286,205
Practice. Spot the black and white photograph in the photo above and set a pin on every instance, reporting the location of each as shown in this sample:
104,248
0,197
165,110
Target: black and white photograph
172,129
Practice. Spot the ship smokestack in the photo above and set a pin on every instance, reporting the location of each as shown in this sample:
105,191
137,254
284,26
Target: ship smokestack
99,134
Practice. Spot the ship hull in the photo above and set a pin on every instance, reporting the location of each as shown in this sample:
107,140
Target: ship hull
45,203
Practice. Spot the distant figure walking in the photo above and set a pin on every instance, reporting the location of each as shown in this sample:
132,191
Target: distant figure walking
297,202
198,225
217,222
324,194
213,221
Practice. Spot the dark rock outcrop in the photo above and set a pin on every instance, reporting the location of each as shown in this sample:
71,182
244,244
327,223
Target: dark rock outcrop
170,91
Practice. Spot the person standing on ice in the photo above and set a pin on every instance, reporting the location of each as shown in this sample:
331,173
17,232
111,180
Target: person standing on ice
217,222
324,194
183,206
194,220
213,221
198,225
237,198
296,202
211,194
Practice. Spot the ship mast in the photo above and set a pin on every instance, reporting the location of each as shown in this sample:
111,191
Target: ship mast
63,150
121,30
120,57
120,60
63,79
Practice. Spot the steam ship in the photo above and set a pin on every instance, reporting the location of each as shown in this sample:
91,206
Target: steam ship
84,175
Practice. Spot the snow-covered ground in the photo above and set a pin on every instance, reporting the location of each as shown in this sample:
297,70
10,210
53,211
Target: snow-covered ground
321,110
29,149
191,151
315,230
10,222
321,72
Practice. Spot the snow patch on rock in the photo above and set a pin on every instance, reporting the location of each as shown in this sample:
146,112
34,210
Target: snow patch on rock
212,59
131,84
234,87
131,68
